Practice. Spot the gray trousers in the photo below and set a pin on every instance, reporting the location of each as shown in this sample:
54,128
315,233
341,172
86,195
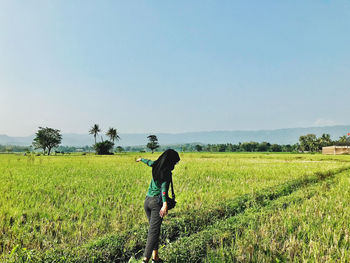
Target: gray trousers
152,208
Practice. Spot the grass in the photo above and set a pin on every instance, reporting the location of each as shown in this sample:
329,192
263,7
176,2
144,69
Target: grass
315,229
80,208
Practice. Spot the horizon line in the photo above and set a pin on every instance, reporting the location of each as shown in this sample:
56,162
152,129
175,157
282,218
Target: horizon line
209,131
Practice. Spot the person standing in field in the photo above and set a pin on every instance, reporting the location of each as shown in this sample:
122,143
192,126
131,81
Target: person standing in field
156,210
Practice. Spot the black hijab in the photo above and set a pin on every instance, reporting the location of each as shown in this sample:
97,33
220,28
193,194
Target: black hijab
162,167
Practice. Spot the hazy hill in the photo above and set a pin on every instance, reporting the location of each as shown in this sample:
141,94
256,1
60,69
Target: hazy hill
280,136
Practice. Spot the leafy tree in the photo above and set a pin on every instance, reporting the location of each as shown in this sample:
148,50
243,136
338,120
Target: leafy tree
95,130
263,147
324,140
276,148
199,148
47,138
308,143
9,149
343,140
113,134
231,147
120,149
207,148
249,146
287,148
303,143
222,148
104,147
153,142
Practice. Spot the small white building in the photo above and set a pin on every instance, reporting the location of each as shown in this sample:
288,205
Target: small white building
336,150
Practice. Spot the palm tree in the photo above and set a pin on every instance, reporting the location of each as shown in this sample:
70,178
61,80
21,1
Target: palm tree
342,140
325,140
113,134
95,130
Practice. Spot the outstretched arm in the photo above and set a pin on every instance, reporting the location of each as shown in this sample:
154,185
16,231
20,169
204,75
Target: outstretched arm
146,161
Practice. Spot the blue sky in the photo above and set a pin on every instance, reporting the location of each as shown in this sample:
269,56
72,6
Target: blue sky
173,66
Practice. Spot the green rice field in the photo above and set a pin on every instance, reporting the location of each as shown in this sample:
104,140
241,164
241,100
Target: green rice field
232,207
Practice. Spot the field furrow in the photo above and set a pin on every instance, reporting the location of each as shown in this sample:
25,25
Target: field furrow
223,233
190,223
314,229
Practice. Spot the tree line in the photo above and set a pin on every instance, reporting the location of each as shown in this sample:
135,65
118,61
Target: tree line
247,147
312,143
307,143
48,139
14,148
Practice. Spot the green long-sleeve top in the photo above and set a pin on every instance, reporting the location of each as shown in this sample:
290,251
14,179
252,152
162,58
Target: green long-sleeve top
155,187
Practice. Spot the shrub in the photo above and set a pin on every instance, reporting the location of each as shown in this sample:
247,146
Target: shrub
104,147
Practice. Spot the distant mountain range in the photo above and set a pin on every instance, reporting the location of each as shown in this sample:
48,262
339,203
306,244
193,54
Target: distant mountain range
280,136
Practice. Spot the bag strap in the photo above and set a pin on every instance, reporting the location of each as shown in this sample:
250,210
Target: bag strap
172,187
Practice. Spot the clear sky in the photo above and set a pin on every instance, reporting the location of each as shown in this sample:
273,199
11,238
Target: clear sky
173,66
